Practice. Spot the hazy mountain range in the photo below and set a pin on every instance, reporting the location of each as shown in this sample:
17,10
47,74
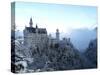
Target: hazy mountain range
82,37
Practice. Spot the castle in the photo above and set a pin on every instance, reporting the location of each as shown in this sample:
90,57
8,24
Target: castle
37,37
34,36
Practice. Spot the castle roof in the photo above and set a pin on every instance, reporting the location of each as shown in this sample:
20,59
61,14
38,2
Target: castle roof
33,30
30,29
42,30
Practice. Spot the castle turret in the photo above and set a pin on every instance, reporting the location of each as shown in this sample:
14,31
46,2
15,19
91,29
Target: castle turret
36,28
31,22
57,35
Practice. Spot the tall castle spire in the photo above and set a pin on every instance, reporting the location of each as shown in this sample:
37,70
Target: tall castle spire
31,22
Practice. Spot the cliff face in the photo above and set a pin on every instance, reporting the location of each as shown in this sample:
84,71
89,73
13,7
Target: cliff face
91,53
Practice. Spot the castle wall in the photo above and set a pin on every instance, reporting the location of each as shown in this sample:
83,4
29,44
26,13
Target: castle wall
35,40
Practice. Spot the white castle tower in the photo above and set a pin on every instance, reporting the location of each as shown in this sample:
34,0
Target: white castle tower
57,35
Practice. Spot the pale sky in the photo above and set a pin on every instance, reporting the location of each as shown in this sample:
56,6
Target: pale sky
53,16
